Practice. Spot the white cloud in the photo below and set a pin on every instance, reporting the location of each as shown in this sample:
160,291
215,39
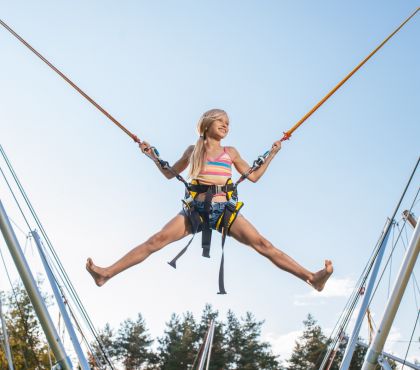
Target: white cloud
282,344
335,288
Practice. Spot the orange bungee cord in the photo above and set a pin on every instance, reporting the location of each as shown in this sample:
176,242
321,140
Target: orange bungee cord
165,165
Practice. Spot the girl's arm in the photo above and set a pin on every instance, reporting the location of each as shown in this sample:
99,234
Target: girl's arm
242,166
179,166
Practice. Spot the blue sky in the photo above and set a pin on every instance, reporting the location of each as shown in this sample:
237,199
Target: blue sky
156,66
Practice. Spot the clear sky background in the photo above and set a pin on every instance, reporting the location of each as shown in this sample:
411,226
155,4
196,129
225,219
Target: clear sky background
156,66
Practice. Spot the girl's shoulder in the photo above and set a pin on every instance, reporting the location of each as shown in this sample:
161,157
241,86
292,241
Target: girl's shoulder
232,152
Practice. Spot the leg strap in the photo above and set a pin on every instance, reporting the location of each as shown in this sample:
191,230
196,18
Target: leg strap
206,237
195,221
173,262
223,225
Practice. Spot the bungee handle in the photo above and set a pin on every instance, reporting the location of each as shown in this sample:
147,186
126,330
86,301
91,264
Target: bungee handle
165,165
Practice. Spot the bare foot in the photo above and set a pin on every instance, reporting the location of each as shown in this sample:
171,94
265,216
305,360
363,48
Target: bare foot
320,278
99,274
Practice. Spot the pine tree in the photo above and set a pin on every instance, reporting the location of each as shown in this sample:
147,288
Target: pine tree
219,352
356,361
245,349
108,344
132,345
309,348
178,346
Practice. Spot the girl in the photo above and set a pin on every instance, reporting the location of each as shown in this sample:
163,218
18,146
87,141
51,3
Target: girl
211,164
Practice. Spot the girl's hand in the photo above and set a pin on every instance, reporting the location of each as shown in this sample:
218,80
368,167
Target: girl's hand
276,147
145,148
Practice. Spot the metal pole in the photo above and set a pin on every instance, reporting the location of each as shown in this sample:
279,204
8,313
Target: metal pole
384,363
59,298
394,301
206,347
393,357
6,338
210,343
33,292
351,345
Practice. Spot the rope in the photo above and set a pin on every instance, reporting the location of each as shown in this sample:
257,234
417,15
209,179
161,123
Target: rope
288,134
261,159
164,165
72,84
370,325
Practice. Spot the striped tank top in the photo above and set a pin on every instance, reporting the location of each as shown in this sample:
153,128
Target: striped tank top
216,171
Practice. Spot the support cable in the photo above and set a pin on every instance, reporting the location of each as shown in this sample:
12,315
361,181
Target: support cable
353,304
411,338
63,274
392,251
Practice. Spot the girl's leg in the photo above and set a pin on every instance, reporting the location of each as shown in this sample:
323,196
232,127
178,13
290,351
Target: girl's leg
174,230
243,231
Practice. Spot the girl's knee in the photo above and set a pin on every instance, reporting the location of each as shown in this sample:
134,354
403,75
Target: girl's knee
263,246
156,242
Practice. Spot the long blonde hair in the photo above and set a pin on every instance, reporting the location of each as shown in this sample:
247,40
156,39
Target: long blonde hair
197,156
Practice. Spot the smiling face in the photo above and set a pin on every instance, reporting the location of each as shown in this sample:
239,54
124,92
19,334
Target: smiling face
219,128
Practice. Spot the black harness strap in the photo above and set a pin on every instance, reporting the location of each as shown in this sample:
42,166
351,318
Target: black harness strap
173,262
227,214
196,219
206,237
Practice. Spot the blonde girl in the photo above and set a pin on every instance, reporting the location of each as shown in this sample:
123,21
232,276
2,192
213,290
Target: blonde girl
211,164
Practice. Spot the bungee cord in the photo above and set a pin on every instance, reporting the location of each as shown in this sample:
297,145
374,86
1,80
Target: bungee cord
256,164
165,165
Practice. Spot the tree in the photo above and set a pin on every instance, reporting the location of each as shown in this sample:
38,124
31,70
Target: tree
219,351
178,346
245,349
309,348
26,339
108,344
133,344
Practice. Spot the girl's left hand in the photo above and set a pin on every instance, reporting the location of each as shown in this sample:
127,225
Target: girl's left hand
276,147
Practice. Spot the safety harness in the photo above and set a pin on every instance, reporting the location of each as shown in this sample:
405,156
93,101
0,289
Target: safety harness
199,221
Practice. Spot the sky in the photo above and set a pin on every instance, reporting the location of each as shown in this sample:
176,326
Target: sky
157,66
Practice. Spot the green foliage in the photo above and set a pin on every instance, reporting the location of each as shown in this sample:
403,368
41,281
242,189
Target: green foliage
219,349
309,348
178,346
132,345
106,343
237,343
245,348
26,339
